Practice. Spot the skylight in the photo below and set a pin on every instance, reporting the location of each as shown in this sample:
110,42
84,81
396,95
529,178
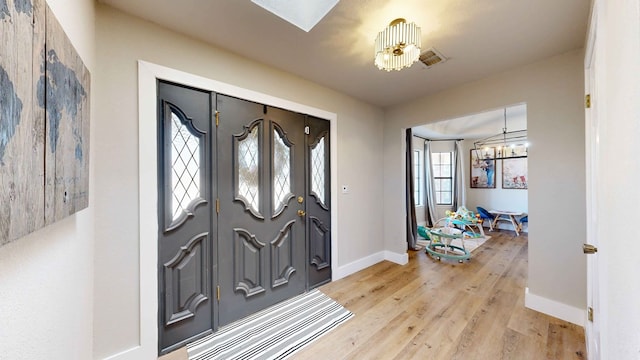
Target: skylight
303,14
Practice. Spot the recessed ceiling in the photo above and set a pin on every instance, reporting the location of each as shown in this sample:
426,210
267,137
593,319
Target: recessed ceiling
479,38
476,126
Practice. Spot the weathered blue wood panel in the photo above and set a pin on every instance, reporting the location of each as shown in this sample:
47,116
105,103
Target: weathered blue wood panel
44,121
22,28
66,83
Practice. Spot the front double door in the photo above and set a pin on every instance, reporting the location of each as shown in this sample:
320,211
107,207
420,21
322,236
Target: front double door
244,209
261,206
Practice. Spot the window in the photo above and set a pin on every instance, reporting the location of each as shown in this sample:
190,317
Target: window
442,177
417,177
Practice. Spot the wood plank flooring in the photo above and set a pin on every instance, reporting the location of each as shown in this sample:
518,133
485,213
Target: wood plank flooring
429,309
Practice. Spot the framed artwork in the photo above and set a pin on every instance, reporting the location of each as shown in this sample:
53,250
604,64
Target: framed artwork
44,121
483,168
514,173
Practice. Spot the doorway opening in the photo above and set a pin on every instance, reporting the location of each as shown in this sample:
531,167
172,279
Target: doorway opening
503,188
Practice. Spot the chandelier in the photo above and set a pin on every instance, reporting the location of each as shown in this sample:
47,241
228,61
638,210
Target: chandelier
508,144
397,46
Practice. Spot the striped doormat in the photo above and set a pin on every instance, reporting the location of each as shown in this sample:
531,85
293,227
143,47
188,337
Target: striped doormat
273,333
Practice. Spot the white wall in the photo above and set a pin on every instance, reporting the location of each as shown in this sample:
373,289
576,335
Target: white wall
46,278
123,41
496,198
619,116
552,90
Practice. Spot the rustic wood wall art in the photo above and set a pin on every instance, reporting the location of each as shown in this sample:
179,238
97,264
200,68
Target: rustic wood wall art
44,121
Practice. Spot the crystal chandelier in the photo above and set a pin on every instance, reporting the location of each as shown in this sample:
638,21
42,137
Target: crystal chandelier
397,46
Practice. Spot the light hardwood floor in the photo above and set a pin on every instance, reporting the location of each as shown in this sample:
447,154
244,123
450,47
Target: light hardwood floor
444,310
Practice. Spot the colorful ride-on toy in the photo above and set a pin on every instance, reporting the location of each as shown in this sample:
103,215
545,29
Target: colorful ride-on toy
440,245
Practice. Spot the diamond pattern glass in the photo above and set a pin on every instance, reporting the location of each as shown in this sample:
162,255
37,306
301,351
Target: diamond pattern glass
281,170
185,166
318,170
248,169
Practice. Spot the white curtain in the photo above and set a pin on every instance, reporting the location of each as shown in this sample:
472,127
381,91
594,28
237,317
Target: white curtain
429,192
459,191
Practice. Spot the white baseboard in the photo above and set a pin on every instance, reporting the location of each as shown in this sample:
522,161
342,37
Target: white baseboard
400,259
553,308
370,260
355,266
129,353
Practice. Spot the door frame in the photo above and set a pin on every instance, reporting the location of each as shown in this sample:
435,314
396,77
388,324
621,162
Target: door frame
148,75
593,162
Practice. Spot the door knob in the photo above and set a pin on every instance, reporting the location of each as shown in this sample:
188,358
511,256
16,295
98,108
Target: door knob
301,213
589,249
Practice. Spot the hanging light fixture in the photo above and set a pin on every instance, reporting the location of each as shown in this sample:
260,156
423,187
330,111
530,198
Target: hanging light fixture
508,144
397,46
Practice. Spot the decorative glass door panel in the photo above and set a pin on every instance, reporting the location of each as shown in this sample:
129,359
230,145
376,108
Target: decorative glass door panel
186,157
262,243
187,235
247,169
318,171
319,202
281,170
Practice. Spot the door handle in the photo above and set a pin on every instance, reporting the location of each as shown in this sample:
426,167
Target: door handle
589,249
301,213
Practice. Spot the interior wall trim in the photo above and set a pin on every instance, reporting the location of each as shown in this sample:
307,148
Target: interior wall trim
355,266
553,308
363,263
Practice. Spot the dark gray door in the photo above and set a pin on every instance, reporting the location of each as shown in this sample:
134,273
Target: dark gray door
261,182
318,201
244,209
187,227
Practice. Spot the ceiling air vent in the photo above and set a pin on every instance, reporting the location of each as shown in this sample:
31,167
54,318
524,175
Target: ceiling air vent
431,57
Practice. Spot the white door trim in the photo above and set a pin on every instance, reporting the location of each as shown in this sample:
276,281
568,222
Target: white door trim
148,74
592,133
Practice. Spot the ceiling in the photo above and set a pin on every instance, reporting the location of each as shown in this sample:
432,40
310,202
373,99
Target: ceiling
476,126
479,38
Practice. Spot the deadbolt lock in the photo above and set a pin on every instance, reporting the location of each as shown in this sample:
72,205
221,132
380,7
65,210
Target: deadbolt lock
589,249
300,199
